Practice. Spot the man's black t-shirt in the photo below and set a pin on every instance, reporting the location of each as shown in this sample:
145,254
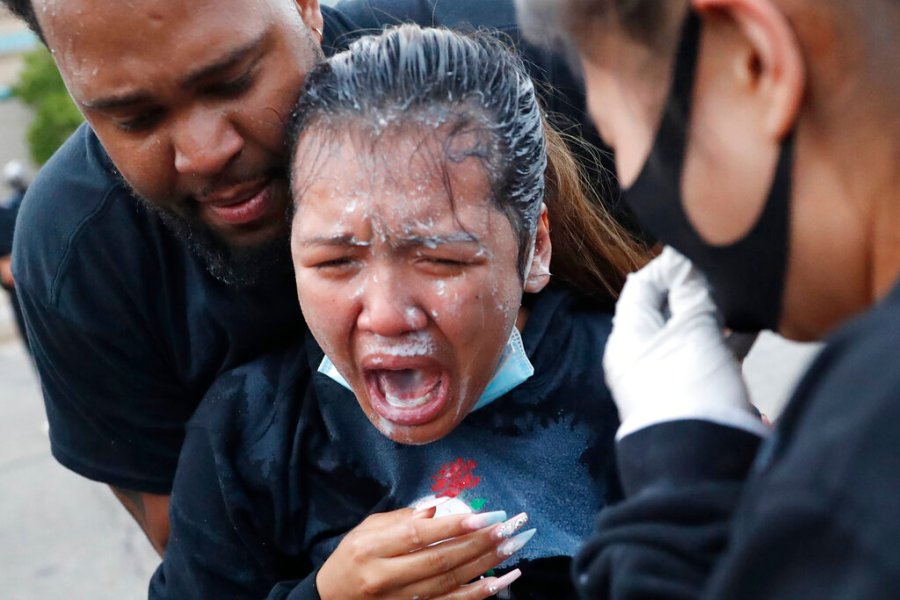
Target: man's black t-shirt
127,327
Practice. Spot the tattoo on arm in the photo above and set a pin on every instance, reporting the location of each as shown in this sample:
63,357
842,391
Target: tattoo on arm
151,511
134,503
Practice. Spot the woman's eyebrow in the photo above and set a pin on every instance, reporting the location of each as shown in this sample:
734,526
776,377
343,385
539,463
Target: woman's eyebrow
433,241
345,239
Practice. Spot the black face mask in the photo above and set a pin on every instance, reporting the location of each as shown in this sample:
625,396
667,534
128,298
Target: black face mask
747,276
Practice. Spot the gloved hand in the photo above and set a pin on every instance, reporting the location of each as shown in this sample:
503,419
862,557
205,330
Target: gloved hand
667,359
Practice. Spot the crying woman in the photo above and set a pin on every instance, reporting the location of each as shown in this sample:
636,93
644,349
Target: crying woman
445,431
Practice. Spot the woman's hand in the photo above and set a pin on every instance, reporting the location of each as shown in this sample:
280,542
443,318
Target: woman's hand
407,554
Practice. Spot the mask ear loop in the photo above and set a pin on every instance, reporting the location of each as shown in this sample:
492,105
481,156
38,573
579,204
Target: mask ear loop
530,258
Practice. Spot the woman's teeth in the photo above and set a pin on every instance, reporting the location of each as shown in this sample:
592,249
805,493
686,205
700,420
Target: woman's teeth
406,403
408,388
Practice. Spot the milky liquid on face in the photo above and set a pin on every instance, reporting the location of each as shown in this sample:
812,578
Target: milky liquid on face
390,216
413,344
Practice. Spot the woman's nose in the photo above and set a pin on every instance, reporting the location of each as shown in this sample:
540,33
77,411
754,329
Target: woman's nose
388,309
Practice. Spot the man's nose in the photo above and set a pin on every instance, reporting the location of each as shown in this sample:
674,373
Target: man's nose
388,308
205,141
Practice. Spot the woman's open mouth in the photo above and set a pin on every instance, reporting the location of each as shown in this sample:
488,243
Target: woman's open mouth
412,396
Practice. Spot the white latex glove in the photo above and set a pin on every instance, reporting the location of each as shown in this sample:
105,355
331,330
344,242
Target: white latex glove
678,367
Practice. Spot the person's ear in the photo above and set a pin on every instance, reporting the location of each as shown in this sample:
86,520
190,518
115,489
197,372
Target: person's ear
772,65
748,95
539,269
311,13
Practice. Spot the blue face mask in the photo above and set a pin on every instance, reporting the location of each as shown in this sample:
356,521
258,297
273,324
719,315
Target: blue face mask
513,369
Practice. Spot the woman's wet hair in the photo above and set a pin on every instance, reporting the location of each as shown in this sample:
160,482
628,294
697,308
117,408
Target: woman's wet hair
478,96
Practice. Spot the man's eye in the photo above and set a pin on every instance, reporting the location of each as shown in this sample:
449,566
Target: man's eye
141,122
233,88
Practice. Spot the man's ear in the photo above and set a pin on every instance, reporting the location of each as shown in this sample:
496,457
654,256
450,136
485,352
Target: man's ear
311,13
539,271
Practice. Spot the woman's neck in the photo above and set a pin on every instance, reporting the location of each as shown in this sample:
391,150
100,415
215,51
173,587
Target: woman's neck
521,319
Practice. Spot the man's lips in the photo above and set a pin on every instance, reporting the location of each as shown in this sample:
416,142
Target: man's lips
240,204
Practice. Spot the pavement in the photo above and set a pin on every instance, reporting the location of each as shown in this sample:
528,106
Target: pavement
64,537
61,536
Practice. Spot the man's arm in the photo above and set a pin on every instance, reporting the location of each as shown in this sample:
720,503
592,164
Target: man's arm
151,511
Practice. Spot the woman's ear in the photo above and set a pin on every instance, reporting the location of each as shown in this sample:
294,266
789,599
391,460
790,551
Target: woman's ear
538,272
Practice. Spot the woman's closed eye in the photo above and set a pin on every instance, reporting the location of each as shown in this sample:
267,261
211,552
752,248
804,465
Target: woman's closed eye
443,266
449,262
342,262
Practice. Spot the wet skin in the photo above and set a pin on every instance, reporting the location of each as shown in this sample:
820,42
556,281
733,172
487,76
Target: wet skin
411,297
190,100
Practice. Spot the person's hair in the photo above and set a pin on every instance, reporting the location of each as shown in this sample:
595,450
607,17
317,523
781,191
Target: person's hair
25,11
551,22
465,84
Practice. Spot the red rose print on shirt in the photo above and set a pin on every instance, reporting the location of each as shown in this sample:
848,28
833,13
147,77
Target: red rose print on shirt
455,477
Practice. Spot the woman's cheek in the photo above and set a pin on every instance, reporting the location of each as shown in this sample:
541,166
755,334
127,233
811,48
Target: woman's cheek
467,302
324,309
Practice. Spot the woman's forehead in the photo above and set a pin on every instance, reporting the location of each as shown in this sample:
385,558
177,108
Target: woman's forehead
398,153
406,185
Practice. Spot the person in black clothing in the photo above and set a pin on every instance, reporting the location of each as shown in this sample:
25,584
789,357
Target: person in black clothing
152,250
16,177
420,176
773,167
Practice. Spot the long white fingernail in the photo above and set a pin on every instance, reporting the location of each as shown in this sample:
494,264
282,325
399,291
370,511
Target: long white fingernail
501,583
515,543
482,520
510,527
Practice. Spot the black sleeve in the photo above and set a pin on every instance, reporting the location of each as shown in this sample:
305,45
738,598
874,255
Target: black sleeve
216,548
86,281
114,416
818,518
683,481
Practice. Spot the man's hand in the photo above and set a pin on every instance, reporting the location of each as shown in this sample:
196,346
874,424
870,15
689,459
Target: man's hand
151,511
667,358
408,554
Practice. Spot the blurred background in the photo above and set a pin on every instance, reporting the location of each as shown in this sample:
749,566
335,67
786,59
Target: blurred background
62,536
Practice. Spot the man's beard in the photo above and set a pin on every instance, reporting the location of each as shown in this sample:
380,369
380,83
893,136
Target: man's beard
236,267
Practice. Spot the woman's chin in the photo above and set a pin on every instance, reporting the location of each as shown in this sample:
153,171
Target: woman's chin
423,433
420,415
412,436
